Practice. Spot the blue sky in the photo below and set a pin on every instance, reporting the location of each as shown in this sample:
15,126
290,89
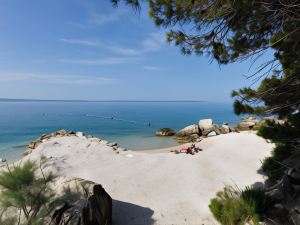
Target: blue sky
86,49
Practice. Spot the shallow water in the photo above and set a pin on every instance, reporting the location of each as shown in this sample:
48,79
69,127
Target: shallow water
131,124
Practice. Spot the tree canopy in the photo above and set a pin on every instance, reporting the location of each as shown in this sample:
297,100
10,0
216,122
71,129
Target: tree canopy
229,31
233,30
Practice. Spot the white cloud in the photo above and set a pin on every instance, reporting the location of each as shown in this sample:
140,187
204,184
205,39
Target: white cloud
124,55
102,61
124,51
154,42
96,19
57,79
91,43
109,46
153,68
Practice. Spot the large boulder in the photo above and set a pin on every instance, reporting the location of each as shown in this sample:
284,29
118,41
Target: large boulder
165,132
81,203
98,208
211,134
246,125
189,130
225,129
188,134
206,126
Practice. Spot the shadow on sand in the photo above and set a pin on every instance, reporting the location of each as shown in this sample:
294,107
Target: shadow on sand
125,213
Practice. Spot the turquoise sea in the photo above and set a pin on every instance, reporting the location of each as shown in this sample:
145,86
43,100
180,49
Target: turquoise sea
131,124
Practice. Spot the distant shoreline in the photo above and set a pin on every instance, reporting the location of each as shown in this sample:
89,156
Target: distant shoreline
50,100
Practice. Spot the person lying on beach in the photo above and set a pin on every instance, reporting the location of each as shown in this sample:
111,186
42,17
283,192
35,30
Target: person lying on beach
188,150
195,149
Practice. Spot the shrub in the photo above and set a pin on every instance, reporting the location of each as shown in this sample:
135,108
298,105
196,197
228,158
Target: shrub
269,165
257,199
229,209
273,166
25,192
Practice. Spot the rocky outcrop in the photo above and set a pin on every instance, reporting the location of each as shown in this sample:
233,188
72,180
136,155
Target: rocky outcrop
63,133
225,128
252,123
206,126
82,202
188,134
98,208
165,132
247,125
34,144
189,130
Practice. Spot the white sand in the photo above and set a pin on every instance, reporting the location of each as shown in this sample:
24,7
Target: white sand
160,188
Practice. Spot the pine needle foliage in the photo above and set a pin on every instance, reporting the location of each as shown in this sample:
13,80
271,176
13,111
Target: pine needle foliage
230,31
25,192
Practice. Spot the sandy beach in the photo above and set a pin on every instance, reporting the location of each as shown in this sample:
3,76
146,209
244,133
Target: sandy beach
159,186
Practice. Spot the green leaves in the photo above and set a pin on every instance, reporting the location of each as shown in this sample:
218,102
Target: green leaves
257,199
23,189
229,208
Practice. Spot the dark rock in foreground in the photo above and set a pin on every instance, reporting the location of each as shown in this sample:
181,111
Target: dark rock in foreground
77,208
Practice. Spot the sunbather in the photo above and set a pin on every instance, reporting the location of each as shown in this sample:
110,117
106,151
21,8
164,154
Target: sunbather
188,150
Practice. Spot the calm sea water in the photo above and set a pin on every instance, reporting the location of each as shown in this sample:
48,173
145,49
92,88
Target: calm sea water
126,123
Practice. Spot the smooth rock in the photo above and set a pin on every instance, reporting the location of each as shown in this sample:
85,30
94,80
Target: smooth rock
205,124
225,128
79,134
98,208
211,134
165,132
78,208
246,125
191,129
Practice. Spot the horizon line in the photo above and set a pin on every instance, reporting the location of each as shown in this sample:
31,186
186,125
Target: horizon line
77,100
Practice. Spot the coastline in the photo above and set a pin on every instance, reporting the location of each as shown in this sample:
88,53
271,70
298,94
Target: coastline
22,122
161,187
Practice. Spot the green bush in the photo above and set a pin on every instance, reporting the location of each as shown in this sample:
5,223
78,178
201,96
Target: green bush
230,209
257,199
272,166
26,193
269,165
